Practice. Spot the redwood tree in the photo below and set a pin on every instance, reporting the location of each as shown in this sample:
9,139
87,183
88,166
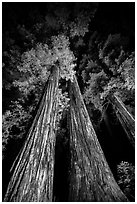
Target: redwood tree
32,179
126,119
90,178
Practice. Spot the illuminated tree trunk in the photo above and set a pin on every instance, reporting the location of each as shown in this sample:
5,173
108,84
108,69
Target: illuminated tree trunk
90,176
125,118
32,180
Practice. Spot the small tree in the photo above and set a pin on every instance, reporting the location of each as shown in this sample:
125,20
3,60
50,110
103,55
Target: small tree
126,179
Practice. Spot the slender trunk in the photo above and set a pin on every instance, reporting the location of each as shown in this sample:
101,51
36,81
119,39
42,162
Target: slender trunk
125,118
32,180
90,178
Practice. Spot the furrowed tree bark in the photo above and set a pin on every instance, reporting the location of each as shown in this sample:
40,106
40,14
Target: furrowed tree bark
32,180
125,118
90,176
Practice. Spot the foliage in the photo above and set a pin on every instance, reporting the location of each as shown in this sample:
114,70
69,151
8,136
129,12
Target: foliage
127,70
33,70
112,46
71,19
27,36
64,56
95,87
84,13
80,26
126,179
124,83
15,122
11,58
57,17
63,105
36,65
118,68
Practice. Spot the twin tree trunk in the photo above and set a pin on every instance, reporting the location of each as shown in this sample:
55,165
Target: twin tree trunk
90,177
32,179
126,119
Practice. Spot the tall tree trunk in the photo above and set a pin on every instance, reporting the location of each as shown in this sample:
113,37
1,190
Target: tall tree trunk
125,118
90,177
32,180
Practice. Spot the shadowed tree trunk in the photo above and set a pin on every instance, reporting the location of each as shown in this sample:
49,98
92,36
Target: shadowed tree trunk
90,177
125,118
32,180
